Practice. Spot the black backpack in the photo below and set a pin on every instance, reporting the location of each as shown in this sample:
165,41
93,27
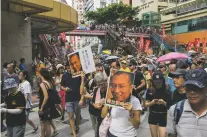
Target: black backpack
54,98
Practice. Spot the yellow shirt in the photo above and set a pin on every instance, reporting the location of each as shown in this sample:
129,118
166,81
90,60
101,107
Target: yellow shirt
126,70
147,77
38,68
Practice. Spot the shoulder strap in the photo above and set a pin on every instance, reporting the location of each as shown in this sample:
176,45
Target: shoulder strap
110,108
178,111
172,96
46,86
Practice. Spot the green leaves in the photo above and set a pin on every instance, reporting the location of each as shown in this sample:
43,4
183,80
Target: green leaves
112,14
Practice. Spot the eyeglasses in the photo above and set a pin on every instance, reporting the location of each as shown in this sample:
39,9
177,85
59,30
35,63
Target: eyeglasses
120,86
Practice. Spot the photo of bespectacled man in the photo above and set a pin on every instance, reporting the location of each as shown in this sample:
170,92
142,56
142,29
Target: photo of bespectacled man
75,64
119,89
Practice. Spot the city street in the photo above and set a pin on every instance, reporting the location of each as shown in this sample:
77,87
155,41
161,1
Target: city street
85,127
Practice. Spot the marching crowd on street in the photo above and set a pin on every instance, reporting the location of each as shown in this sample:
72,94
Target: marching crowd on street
174,93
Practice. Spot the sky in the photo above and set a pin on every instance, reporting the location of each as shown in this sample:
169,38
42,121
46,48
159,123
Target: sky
69,2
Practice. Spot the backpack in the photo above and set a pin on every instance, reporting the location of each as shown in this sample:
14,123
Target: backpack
178,111
54,98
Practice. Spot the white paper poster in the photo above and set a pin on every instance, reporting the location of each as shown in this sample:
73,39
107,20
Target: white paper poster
87,60
84,57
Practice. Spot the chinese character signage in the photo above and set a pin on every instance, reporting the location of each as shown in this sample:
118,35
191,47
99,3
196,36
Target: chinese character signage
81,61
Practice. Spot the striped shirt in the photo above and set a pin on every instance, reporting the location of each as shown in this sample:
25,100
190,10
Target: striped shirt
189,125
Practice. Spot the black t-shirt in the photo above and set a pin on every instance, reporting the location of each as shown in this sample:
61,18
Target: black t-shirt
15,101
152,94
90,84
137,81
74,84
175,97
92,110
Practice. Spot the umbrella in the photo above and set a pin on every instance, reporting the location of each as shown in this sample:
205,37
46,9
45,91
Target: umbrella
129,56
111,57
172,55
108,52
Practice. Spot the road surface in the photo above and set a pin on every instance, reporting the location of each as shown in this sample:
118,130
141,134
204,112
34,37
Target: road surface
85,127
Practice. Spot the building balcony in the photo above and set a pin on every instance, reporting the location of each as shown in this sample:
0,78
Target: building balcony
167,17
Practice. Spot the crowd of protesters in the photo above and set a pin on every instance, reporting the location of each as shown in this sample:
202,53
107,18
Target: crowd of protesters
174,93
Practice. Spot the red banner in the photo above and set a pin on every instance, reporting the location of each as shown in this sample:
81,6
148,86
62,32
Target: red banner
141,43
204,45
189,46
63,36
163,31
197,44
146,47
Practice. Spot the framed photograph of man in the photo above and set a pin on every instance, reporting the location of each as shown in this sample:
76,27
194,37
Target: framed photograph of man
120,88
75,64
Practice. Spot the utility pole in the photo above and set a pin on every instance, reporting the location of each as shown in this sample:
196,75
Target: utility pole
176,15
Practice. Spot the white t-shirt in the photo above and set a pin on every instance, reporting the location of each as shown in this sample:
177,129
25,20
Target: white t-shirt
26,89
120,124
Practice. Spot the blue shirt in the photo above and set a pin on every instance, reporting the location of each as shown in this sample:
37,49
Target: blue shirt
22,67
170,82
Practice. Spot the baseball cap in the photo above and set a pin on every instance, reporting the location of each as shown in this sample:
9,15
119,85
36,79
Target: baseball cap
59,66
124,62
178,72
197,77
161,66
10,83
181,64
157,75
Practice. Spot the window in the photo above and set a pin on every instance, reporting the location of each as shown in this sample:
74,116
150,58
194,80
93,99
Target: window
190,25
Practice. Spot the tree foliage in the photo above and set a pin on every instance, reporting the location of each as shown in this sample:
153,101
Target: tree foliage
112,14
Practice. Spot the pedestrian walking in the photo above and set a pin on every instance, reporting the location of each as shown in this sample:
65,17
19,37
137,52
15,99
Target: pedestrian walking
72,88
188,117
157,100
26,89
47,109
15,109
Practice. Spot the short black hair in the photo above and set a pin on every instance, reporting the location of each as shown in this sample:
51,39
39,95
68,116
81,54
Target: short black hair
67,64
5,64
131,76
99,65
22,60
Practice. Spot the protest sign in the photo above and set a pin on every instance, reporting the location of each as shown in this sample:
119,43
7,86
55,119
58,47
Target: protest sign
75,64
119,89
81,61
87,60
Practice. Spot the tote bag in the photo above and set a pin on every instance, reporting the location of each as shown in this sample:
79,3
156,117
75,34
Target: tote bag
104,127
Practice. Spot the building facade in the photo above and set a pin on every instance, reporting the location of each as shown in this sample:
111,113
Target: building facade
92,5
151,5
189,23
23,18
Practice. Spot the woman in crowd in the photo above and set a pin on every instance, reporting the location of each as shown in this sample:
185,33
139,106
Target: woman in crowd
26,89
47,110
157,99
59,74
